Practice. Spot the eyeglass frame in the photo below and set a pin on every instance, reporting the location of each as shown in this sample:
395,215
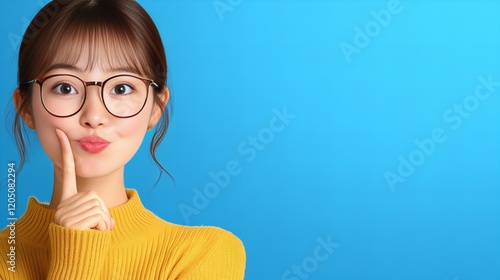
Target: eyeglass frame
40,81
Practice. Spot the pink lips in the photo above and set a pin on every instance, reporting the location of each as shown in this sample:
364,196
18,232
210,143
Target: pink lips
93,144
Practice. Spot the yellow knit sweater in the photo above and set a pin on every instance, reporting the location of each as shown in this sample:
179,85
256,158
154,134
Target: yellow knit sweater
141,246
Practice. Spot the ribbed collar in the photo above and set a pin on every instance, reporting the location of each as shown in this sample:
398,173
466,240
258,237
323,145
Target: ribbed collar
132,221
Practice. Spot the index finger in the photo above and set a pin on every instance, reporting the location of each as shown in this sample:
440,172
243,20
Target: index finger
69,188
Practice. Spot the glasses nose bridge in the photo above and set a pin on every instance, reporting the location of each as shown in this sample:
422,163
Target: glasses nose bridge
93,83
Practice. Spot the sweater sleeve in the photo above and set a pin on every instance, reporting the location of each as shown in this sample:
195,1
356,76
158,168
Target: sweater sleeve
225,260
76,254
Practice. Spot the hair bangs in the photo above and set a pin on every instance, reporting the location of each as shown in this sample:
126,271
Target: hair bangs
104,43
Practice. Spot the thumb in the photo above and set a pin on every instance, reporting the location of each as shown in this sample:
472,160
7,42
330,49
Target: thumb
68,165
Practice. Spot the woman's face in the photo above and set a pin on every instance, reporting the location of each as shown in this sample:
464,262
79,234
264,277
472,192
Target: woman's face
117,139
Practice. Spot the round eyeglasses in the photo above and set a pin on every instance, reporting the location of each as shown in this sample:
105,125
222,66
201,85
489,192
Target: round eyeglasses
124,96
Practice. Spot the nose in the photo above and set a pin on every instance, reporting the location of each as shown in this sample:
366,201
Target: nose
93,113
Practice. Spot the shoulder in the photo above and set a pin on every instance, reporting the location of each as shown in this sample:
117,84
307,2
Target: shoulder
203,248
208,239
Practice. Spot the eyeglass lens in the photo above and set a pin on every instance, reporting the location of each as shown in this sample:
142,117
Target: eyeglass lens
123,96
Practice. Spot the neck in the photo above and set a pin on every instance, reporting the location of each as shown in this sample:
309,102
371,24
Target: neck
110,188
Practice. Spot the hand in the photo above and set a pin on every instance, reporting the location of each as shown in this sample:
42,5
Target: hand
84,210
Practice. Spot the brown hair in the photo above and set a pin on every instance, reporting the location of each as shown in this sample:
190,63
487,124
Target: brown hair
63,30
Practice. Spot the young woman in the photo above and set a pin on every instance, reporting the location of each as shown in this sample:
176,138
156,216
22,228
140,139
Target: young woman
92,81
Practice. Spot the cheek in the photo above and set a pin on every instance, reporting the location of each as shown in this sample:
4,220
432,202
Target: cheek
136,126
132,129
132,132
45,125
50,142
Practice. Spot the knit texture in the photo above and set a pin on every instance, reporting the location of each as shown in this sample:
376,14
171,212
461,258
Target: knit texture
140,246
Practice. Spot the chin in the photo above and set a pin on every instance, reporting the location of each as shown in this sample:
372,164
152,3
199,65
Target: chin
90,171
88,174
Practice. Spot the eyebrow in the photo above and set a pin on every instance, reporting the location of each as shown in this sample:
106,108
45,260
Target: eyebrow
80,70
64,66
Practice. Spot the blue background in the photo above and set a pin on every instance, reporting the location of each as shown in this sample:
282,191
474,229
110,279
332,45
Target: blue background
357,117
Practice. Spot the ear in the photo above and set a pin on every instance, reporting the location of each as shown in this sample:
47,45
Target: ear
23,109
158,108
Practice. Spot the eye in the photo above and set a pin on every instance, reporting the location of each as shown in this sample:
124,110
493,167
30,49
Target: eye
122,89
64,88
